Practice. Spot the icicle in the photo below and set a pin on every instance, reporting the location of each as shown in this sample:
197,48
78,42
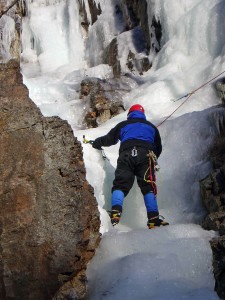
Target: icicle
87,8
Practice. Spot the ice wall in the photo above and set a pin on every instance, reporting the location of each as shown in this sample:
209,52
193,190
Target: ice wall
52,35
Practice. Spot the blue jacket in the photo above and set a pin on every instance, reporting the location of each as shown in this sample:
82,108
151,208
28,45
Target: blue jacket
135,131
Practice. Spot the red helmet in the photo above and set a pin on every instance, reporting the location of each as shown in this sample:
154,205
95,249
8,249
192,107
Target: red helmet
137,107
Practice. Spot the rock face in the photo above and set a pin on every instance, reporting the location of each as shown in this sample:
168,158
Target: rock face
103,99
135,18
143,38
135,14
220,87
218,248
10,26
213,195
49,221
95,11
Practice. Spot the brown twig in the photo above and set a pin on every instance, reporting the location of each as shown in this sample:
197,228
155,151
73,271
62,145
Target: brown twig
8,8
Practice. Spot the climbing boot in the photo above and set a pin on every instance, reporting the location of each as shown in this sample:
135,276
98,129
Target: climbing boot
154,221
115,216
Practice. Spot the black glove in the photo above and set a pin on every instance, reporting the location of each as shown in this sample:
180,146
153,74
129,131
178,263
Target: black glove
97,144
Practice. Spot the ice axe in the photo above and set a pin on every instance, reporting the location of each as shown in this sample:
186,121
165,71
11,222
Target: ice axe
85,141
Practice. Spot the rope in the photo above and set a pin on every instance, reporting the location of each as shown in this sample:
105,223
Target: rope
188,97
173,111
8,8
151,169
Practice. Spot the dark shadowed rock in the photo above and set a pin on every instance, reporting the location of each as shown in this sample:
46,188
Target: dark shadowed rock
218,248
134,62
220,88
49,221
110,57
131,17
213,196
95,11
135,13
83,15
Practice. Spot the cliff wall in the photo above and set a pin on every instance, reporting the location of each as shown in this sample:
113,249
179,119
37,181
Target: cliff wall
213,195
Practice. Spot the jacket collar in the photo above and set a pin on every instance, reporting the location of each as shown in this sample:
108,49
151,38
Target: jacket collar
136,115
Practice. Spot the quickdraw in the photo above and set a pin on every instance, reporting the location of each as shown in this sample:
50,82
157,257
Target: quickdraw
153,167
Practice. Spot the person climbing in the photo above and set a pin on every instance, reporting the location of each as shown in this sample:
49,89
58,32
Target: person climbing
139,149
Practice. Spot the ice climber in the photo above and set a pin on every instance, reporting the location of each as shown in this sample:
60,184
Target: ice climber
139,149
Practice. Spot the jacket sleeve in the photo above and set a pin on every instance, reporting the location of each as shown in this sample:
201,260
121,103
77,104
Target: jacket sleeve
111,138
158,143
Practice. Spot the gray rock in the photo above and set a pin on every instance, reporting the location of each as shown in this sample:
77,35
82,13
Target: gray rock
49,220
103,99
218,248
220,87
213,196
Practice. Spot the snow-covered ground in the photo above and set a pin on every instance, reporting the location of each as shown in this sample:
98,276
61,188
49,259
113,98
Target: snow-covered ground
132,262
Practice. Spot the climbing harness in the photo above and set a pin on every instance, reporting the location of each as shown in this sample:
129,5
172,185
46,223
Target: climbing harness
187,96
85,141
153,167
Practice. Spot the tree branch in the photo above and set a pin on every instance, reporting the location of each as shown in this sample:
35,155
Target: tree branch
3,12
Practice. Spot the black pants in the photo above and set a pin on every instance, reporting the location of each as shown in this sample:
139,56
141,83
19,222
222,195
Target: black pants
128,167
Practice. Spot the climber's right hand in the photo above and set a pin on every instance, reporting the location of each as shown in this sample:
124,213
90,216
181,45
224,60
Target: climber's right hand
96,144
